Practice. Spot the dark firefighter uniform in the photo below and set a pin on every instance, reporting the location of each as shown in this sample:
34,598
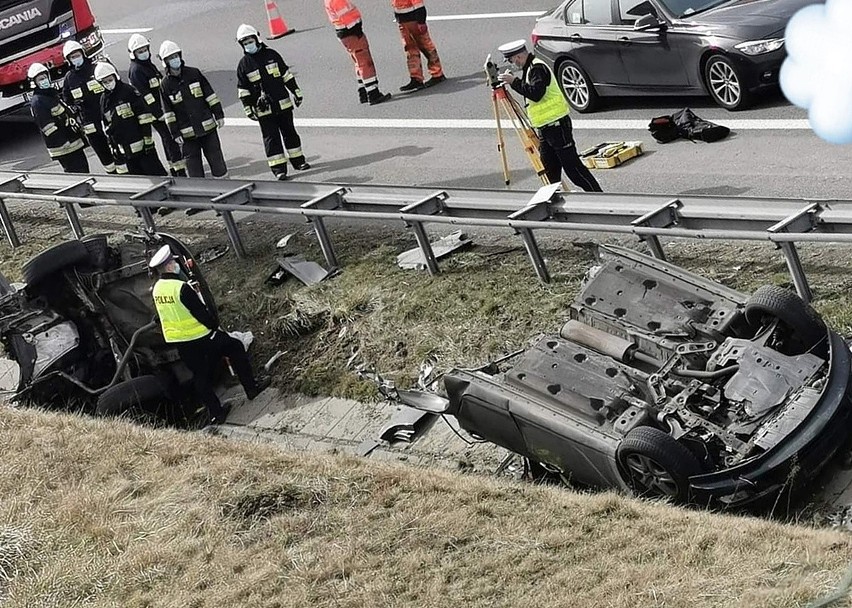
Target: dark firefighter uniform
62,134
146,78
548,113
127,120
192,112
83,92
264,84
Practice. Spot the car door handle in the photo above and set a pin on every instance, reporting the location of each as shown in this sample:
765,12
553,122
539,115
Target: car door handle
624,40
576,37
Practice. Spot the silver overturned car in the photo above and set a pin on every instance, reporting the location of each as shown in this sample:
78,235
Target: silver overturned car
82,330
666,384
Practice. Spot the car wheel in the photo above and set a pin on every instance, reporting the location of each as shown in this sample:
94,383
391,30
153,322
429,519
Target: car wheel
53,260
655,465
577,86
804,327
134,398
725,84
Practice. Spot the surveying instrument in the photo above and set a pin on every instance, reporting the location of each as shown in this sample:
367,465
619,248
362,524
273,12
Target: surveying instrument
503,102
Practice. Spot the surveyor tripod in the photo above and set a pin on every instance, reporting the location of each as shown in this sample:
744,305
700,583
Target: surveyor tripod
504,104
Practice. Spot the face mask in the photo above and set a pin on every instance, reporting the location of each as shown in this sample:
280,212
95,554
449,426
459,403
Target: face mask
143,56
77,61
44,83
109,85
175,63
250,48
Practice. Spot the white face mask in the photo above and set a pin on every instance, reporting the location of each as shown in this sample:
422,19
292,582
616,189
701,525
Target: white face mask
109,85
76,61
143,55
250,47
175,63
44,83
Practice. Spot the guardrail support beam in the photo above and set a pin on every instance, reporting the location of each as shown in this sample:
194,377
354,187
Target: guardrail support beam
8,226
157,192
328,201
237,196
797,272
662,217
431,205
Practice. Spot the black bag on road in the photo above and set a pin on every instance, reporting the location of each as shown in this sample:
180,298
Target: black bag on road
686,124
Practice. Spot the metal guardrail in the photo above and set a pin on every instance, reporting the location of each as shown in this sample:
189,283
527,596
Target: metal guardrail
648,217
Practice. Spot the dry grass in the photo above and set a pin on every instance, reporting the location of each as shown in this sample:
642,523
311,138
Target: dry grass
105,514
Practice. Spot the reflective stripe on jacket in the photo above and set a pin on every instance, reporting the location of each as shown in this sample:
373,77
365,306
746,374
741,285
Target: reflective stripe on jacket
177,322
342,14
552,106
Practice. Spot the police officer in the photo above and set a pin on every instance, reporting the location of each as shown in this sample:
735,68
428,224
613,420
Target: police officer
146,78
187,323
127,124
62,134
193,113
83,93
264,84
548,113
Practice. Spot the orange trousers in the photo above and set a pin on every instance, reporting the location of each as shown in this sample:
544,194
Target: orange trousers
416,40
358,48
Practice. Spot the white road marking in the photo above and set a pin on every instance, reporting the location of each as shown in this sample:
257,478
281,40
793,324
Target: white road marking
585,124
138,30
484,16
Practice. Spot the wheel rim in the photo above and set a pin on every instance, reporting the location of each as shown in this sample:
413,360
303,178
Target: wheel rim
575,86
649,477
724,83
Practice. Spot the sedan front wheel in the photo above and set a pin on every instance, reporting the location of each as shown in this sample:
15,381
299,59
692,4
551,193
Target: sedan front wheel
725,84
577,86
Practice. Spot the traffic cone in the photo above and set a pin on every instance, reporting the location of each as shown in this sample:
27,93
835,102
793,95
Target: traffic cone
277,25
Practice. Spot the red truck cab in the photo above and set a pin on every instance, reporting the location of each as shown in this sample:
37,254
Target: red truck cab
35,30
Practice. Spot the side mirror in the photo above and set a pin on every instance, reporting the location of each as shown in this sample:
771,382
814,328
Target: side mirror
648,23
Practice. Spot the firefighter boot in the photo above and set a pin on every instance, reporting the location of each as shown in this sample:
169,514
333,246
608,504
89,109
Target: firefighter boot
413,85
375,97
362,95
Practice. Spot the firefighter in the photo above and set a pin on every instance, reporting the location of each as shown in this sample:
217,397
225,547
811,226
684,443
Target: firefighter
264,84
127,124
193,113
411,18
62,134
548,113
346,19
188,324
83,93
146,77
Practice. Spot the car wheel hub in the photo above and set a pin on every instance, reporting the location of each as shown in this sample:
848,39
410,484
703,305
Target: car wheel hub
574,84
650,477
724,83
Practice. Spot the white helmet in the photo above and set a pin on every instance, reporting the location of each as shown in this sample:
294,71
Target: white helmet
162,256
246,31
104,69
36,69
167,49
136,42
70,47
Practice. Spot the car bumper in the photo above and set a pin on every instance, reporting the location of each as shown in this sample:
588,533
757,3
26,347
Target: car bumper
796,459
759,71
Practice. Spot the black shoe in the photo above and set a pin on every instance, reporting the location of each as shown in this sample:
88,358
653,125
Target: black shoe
303,167
281,177
222,416
413,85
436,80
178,173
261,385
362,95
376,97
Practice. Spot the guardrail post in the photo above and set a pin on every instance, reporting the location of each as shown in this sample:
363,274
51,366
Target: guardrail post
538,261
797,272
10,185
804,220
328,201
537,210
237,196
81,188
74,220
431,205
157,192
664,216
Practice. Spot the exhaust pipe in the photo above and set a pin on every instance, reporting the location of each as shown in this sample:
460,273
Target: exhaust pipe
599,341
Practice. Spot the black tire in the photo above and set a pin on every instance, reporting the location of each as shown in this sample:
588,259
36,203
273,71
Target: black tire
725,84
654,465
134,397
804,327
577,87
53,260
98,248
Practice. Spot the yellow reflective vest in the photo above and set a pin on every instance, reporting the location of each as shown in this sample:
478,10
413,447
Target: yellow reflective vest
177,322
552,106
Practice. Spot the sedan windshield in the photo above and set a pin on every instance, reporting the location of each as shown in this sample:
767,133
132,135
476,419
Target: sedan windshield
685,8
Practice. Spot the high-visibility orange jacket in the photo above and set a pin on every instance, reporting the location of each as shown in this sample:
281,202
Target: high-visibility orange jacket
406,6
343,14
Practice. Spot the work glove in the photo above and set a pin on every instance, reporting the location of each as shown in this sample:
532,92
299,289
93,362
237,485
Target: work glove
220,122
297,99
179,140
250,113
263,104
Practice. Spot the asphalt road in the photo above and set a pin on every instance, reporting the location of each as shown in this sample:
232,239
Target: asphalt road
763,157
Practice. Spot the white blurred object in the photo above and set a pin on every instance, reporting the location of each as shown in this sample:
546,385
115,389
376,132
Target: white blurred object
283,242
246,337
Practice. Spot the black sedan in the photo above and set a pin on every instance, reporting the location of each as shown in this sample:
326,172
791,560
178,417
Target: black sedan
667,385
729,49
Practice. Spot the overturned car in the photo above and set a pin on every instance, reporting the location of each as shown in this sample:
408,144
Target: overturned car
667,385
82,328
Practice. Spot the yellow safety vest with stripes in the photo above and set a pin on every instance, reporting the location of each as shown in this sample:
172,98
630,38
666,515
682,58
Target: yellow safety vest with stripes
552,106
177,322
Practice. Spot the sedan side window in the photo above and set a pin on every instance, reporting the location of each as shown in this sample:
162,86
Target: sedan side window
574,13
597,12
631,10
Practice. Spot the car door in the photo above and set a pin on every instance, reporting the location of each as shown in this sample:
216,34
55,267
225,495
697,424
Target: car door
651,59
593,36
